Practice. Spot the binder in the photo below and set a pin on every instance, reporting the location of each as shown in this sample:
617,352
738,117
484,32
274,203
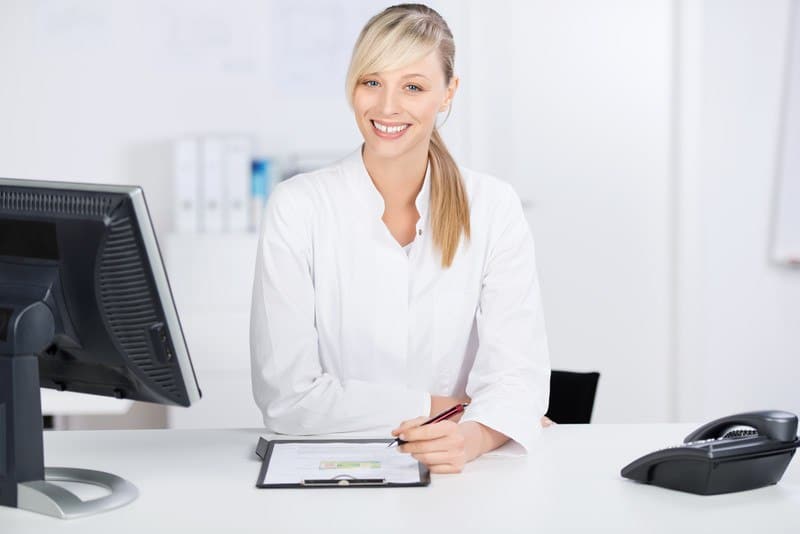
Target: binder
260,187
186,183
236,217
266,448
212,190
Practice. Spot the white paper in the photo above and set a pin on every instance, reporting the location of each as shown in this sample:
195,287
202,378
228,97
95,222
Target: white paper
292,463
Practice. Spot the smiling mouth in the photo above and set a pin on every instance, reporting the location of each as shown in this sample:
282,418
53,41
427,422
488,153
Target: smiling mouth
389,130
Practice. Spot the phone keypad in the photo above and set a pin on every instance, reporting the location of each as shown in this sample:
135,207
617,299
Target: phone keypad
740,433
699,442
704,443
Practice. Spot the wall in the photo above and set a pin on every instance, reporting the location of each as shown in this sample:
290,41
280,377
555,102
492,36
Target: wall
739,313
591,144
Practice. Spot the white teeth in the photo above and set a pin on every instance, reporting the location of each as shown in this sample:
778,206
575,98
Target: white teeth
389,129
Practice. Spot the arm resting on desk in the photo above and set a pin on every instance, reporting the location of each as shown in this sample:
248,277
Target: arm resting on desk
509,382
480,439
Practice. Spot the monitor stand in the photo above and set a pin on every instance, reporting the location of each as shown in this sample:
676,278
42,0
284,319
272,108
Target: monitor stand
24,481
44,497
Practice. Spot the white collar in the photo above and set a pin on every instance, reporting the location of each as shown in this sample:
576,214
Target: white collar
354,166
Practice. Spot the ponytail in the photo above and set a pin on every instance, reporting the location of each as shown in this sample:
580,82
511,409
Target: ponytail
449,206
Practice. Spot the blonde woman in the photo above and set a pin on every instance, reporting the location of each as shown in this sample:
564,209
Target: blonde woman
394,284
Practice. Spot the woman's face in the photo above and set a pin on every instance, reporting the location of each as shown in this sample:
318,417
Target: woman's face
396,110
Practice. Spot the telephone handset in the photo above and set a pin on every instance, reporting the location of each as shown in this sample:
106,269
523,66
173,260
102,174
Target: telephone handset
735,453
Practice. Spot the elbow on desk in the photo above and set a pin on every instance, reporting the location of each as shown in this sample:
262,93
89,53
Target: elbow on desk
292,420
289,425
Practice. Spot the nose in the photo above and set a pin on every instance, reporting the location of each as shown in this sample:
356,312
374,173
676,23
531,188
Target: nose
388,103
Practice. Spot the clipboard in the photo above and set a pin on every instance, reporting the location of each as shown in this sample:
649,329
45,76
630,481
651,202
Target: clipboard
266,448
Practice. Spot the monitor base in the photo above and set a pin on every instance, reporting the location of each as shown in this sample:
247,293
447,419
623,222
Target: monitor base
43,497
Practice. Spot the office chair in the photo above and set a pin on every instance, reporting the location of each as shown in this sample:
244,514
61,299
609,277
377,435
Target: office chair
572,396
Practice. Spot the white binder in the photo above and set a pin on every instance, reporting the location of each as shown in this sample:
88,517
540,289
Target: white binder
186,183
212,191
238,150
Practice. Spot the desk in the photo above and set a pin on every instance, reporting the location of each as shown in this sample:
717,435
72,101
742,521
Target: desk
203,481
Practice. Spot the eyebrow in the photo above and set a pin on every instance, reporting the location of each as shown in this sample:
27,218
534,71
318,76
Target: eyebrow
416,75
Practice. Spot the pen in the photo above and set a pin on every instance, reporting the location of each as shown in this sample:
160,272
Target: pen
458,408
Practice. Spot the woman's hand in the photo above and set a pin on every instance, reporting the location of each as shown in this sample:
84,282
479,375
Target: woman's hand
446,446
441,446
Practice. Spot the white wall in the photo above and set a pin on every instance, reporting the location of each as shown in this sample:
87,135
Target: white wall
739,313
590,140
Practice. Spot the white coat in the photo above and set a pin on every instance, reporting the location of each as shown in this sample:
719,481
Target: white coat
349,332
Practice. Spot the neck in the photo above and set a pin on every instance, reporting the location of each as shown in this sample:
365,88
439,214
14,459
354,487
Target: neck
398,180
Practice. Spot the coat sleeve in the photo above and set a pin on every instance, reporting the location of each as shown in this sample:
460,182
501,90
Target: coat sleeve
509,383
292,390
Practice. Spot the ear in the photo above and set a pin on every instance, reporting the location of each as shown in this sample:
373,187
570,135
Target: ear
451,93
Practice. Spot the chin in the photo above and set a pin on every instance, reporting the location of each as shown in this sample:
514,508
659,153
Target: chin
391,149
381,149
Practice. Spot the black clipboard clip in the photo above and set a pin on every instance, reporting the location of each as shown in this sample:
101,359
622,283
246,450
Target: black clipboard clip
343,480
261,448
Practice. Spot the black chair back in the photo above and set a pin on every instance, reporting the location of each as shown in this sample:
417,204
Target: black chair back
572,396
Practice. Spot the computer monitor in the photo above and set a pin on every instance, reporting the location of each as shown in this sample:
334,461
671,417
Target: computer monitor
85,306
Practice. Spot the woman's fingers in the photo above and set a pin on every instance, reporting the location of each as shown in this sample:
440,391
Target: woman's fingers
440,446
411,423
427,432
446,468
437,458
445,443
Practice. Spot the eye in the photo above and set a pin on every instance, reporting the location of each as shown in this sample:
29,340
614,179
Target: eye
414,88
369,82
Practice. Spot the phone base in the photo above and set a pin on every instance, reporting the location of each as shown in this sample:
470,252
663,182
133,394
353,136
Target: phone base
714,477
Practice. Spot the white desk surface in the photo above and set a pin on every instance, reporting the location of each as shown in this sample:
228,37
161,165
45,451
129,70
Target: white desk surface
204,481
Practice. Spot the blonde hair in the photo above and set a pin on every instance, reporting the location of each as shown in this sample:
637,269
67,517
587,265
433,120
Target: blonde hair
396,37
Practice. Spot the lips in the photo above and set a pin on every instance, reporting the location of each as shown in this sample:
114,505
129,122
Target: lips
389,130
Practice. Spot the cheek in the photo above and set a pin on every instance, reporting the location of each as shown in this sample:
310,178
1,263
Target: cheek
426,111
362,102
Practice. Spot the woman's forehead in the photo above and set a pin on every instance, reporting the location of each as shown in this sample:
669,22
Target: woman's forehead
428,66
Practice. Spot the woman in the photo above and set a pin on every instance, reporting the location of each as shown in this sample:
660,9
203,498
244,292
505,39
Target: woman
394,284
